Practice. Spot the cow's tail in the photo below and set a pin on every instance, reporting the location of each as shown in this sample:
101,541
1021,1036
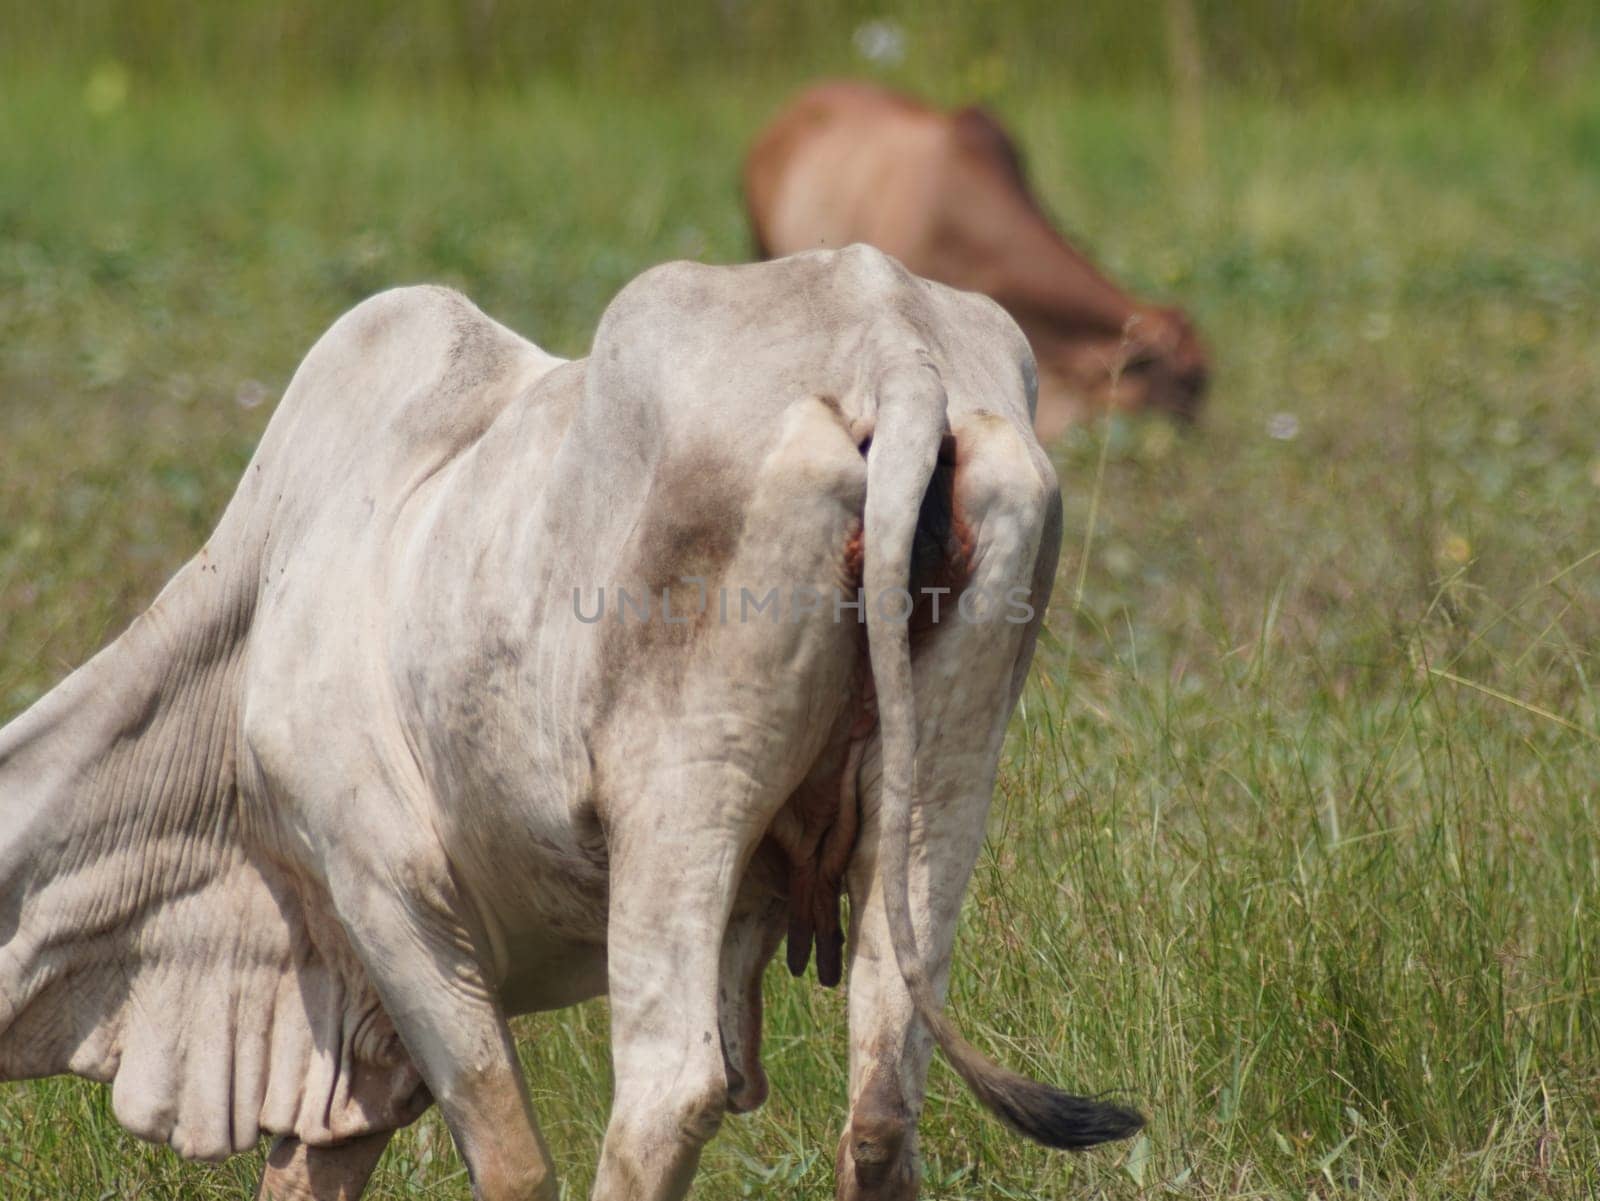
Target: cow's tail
911,422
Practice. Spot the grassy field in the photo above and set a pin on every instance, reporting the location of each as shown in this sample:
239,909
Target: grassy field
1297,839
1281,45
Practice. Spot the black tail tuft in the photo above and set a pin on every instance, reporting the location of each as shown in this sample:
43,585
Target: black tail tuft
1045,1114
1057,1119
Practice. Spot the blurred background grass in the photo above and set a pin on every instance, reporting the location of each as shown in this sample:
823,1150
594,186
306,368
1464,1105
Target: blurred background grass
1270,44
1296,841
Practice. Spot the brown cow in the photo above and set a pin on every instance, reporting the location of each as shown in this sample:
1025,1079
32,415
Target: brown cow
945,193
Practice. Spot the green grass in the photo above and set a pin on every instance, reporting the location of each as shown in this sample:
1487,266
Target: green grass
1292,45
1296,841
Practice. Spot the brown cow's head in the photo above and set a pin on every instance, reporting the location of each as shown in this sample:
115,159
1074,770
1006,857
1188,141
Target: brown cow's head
1166,366
1156,362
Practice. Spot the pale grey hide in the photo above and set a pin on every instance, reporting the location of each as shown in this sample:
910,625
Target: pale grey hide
359,784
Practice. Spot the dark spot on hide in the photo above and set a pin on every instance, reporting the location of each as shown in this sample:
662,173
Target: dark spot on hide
689,529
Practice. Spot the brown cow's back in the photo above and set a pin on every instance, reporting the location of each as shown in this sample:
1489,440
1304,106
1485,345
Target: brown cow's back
947,195
845,163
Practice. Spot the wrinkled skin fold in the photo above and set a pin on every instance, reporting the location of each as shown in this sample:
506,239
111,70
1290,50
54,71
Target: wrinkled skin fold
366,779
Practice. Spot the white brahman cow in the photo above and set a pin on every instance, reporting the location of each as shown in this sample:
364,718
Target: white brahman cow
505,682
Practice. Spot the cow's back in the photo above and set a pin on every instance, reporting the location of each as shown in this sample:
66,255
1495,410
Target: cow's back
847,162
398,387
945,193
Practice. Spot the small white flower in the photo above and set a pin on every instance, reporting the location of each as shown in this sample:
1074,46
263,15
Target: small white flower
882,42
1285,427
250,393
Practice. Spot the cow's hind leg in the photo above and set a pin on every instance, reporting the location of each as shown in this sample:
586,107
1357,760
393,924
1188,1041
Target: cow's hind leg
296,1172
675,871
